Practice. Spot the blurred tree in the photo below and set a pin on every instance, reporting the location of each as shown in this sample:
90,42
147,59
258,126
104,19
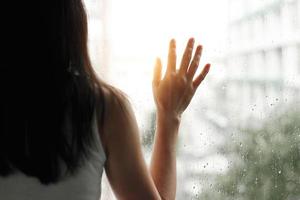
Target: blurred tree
148,132
264,163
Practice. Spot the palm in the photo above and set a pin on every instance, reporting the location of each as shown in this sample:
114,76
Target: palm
173,93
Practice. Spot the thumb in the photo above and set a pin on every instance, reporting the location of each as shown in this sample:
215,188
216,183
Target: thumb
157,73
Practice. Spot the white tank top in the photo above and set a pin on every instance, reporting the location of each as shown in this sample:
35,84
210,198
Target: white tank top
84,185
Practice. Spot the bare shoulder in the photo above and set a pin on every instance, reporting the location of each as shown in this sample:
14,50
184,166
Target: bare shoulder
119,119
117,106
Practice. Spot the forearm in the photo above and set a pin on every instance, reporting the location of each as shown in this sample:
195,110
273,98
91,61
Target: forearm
163,161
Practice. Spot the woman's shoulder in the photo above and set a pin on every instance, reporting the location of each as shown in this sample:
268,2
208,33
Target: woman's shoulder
118,116
116,102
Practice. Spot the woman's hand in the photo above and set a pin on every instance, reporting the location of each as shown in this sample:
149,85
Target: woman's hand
173,93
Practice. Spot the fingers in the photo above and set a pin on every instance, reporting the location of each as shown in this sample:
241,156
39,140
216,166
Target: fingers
157,72
195,63
187,67
201,76
171,67
186,58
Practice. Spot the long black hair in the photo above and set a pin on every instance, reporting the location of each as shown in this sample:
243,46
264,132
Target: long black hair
46,80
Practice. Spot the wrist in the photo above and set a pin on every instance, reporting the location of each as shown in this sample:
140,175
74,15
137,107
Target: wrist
168,119
167,127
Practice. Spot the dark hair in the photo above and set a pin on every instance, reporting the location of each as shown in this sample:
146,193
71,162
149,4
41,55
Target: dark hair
46,81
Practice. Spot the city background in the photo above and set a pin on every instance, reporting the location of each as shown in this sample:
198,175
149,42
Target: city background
239,138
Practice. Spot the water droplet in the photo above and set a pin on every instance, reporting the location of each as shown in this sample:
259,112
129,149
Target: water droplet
241,145
277,99
279,172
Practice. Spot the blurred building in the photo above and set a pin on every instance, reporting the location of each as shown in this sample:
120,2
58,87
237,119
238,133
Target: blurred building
262,72
263,60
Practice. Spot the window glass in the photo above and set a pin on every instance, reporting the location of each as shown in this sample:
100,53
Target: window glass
240,137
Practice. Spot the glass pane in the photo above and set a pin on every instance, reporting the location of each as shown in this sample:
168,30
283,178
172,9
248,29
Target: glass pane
240,137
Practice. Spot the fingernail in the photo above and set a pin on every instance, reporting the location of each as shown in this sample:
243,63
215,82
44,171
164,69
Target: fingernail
191,41
207,68
173,42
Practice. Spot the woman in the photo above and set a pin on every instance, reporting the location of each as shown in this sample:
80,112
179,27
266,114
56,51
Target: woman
61,125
